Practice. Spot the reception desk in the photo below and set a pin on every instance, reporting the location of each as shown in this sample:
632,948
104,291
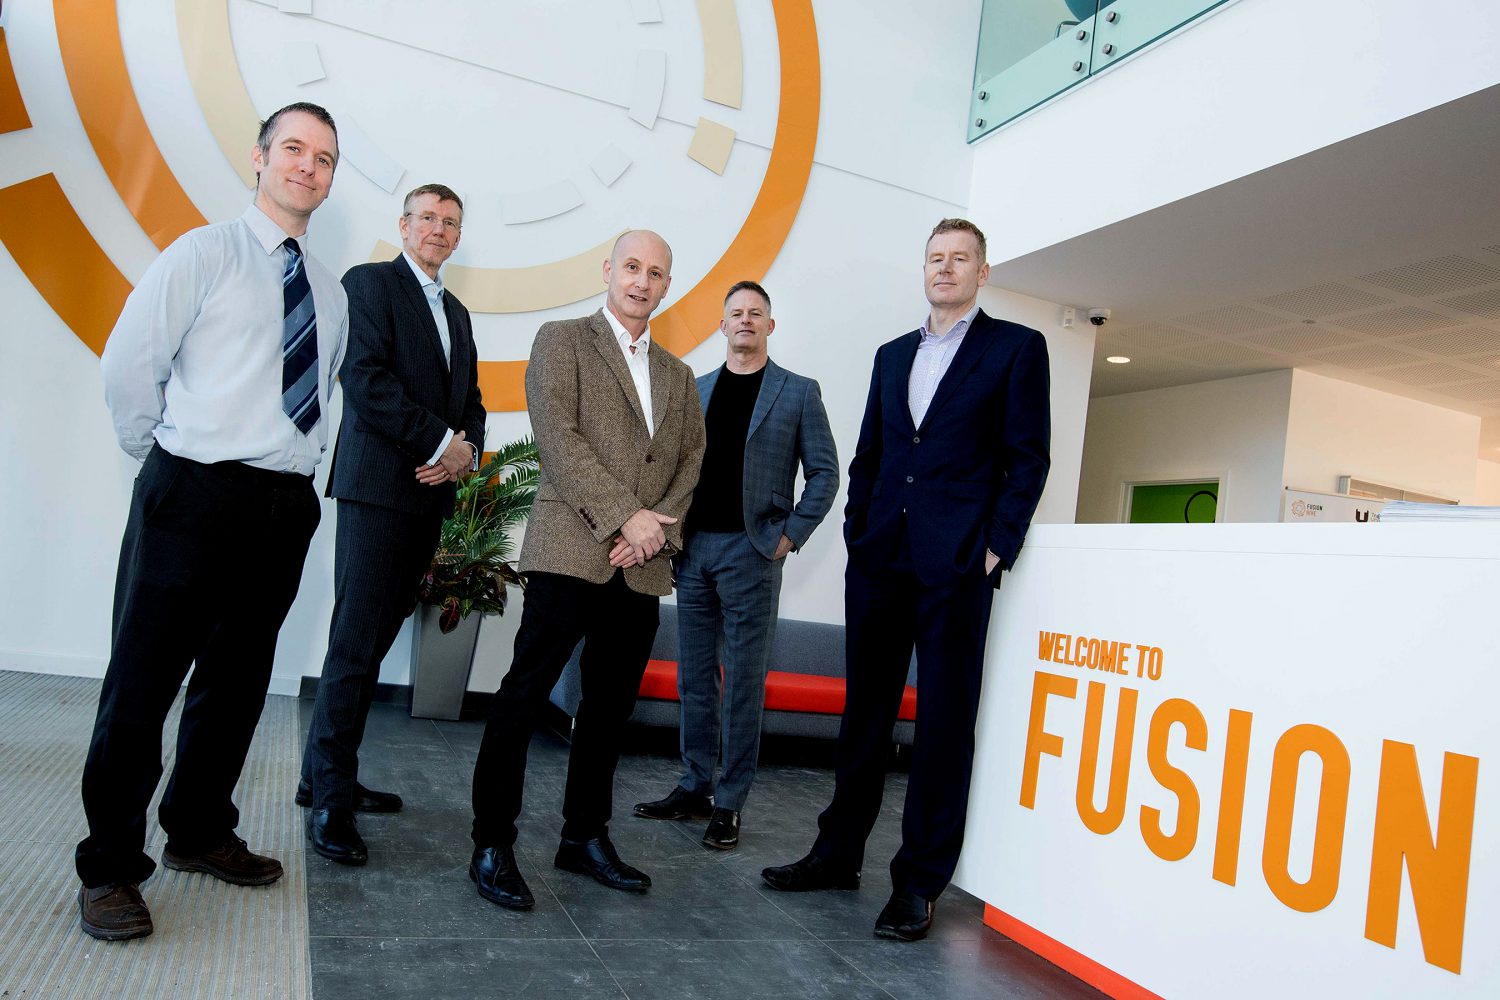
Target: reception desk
1246,760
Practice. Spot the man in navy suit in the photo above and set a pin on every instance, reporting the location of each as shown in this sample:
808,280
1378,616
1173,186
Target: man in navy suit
413,423
951,461
763,421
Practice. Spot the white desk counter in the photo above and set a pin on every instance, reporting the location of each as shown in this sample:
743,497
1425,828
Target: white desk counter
1246,760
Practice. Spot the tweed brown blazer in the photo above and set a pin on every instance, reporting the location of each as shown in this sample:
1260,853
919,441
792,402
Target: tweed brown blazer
600,464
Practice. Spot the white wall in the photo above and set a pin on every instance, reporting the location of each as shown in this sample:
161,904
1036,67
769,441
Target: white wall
1487,484
1071,354
1340,429
1232,429
1253,84
889,164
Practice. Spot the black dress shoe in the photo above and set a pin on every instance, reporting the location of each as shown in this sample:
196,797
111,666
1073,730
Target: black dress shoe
723,831
679,804
232,862
500,881
366,800
113,912
597,857
812,872
907,917
334,835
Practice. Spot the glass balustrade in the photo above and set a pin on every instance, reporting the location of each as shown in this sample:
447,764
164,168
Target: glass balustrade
1032,50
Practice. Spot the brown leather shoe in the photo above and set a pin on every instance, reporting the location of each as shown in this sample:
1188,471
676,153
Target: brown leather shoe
232,862
113,912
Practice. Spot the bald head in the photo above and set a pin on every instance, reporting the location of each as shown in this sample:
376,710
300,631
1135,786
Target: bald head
637,240
638,273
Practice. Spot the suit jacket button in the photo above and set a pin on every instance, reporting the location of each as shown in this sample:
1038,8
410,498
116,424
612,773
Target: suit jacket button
909,479
917,439
650,459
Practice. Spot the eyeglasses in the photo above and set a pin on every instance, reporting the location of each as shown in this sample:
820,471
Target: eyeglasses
429,220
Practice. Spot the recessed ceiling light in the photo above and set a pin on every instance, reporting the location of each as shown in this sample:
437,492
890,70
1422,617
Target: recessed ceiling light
1118,359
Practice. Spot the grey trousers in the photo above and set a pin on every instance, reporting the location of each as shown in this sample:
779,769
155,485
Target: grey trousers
727,598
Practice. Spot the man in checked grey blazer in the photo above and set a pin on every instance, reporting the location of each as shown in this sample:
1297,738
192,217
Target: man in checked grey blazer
620,436
762,421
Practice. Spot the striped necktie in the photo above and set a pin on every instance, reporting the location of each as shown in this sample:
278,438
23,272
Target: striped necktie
299,343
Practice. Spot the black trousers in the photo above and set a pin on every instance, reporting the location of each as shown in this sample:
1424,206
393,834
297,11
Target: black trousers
379,557
617,626
209,565
887,614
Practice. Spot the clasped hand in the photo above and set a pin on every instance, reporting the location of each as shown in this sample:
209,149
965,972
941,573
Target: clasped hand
455,460
640,538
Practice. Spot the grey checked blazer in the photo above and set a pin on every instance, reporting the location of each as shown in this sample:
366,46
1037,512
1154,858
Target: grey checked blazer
787,426
599,462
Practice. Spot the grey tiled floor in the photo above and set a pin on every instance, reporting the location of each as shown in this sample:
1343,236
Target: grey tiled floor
411,925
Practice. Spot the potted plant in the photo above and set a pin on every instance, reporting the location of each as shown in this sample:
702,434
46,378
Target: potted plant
470,576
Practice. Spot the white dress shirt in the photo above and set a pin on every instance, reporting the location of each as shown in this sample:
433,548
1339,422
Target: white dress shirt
635,352
194,361
432,288
934,356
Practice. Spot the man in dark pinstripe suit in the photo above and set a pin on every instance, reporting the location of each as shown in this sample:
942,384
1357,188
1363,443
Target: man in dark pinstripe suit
413,423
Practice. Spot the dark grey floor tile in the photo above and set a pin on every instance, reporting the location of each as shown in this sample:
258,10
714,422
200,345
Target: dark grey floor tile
424,896
962,967
734,970
400,968
690,899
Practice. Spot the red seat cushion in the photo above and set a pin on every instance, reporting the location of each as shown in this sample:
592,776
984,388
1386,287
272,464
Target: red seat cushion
785,691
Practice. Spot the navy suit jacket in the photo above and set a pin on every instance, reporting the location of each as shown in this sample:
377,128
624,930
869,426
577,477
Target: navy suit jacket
400,396
787,426
970,477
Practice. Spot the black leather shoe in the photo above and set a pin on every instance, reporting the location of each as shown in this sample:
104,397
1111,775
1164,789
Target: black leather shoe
232,862
334,835
597,857
113,912
907,917
811,873
723,831
366,800
679,804
500,881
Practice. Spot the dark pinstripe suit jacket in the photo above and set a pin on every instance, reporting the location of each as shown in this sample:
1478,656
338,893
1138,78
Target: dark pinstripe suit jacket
399,395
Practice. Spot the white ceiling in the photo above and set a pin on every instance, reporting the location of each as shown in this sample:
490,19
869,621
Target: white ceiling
1375,260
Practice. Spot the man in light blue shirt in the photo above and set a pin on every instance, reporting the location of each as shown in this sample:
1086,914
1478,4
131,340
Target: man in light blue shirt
217,375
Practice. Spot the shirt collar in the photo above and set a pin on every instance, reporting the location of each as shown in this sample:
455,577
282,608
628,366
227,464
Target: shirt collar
622,335
958,328
267,233
422,277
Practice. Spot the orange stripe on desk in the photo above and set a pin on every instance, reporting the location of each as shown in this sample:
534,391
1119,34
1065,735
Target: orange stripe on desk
13,117
88,34
61,259
1104,980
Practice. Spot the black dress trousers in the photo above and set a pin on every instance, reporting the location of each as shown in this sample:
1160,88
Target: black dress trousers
617,626
209,566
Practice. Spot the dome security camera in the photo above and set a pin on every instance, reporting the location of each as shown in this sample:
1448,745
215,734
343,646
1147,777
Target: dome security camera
1099,317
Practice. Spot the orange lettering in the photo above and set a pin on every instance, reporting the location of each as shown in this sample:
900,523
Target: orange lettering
1038,740
1232,797
1436,861
1108,819
1180,844
1333,804
1044,647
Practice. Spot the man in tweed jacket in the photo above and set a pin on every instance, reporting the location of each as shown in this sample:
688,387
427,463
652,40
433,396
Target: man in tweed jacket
620,433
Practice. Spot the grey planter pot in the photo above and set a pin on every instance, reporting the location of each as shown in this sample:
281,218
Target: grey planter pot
440,664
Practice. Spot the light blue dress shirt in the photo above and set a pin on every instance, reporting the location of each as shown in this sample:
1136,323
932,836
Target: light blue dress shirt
194,361
934,356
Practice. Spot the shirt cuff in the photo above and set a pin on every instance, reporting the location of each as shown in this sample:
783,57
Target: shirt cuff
442,447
